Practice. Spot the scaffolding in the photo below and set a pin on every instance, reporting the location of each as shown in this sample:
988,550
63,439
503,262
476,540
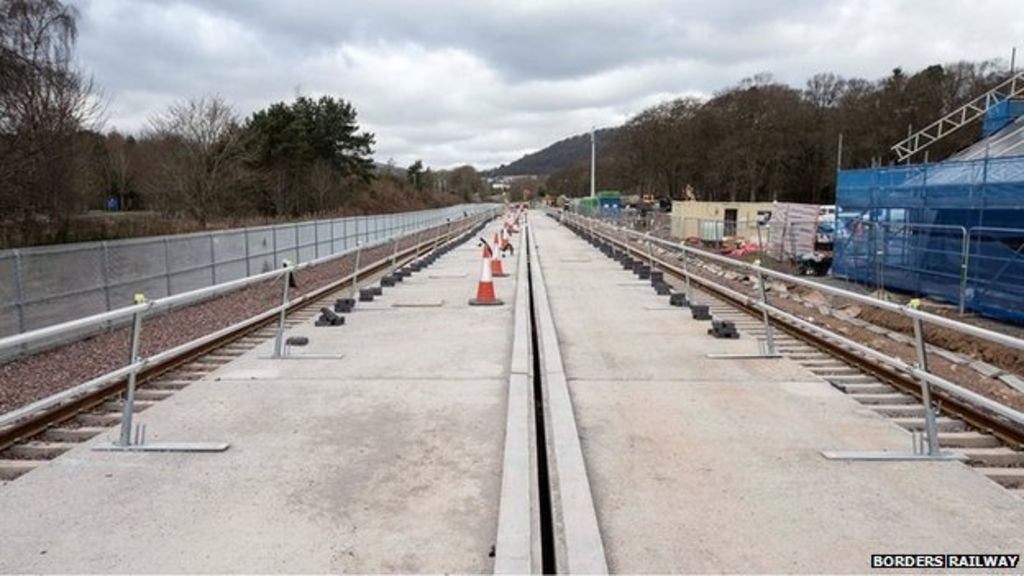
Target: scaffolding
950,231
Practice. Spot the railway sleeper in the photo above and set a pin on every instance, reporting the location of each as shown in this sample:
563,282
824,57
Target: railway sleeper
187,375
838,366
830,371
792,350
61,434
884,399
218,359
900,410
942,424
151,396
241,347
809,354
11,469
168,384
968,439
996,456
198,367
101,420
117,405
39,450
873,387
1008,477
845,379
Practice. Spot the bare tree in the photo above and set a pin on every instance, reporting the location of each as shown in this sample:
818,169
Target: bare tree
204,157
44,102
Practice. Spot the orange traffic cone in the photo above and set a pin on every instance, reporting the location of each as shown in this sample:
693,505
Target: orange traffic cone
485,288
496,269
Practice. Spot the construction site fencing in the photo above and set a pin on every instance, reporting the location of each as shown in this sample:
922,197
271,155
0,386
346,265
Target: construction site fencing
780,241
644,244
950,231
978,268
46,285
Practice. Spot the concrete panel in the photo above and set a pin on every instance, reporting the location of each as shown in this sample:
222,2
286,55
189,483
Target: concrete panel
387,459
227,271
130,261
701,465
186,253
54,271
229,246
62,309
8,279
190,280
285,237
9,323
261,241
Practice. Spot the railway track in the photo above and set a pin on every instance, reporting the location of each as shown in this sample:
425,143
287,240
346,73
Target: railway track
44,435
991,444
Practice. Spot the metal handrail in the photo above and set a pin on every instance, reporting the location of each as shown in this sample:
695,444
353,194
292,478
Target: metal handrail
101,319
158,358
919,372
904,310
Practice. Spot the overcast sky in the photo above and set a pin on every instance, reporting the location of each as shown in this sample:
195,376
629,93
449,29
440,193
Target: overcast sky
483,82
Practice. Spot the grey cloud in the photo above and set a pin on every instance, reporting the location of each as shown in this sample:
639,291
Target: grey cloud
456,81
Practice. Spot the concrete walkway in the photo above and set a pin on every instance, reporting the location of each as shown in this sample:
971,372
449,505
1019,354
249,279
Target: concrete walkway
385,460
701,465
382,450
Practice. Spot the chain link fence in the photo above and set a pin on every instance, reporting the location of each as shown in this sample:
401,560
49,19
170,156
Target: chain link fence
45,285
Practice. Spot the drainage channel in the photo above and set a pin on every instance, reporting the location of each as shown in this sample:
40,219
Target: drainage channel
547,522
575,534
547,534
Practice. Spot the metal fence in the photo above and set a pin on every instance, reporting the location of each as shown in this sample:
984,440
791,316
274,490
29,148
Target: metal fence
46,285
641,245
979,268
781,240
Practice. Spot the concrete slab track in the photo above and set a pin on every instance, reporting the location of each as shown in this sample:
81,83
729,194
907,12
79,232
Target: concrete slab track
386,460
701,465
408,452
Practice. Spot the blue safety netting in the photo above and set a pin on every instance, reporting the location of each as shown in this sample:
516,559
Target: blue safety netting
951,231
1001,114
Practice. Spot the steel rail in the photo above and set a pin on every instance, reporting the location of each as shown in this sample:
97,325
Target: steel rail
977,409
32,419
904,310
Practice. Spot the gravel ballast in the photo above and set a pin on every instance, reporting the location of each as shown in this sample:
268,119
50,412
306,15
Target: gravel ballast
27,379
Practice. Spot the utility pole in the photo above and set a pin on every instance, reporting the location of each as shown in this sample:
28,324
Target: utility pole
593,162
839,154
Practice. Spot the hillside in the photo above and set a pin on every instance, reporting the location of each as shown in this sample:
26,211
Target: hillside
561,154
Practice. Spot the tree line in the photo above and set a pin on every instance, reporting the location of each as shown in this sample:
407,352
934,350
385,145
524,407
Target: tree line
763,140
198,160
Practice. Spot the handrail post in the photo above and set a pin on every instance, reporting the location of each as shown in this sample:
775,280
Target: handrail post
437,239
686,272
128,406
650,249
394,254
419,234
769,332
279,335
965,260
355,269
926,396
